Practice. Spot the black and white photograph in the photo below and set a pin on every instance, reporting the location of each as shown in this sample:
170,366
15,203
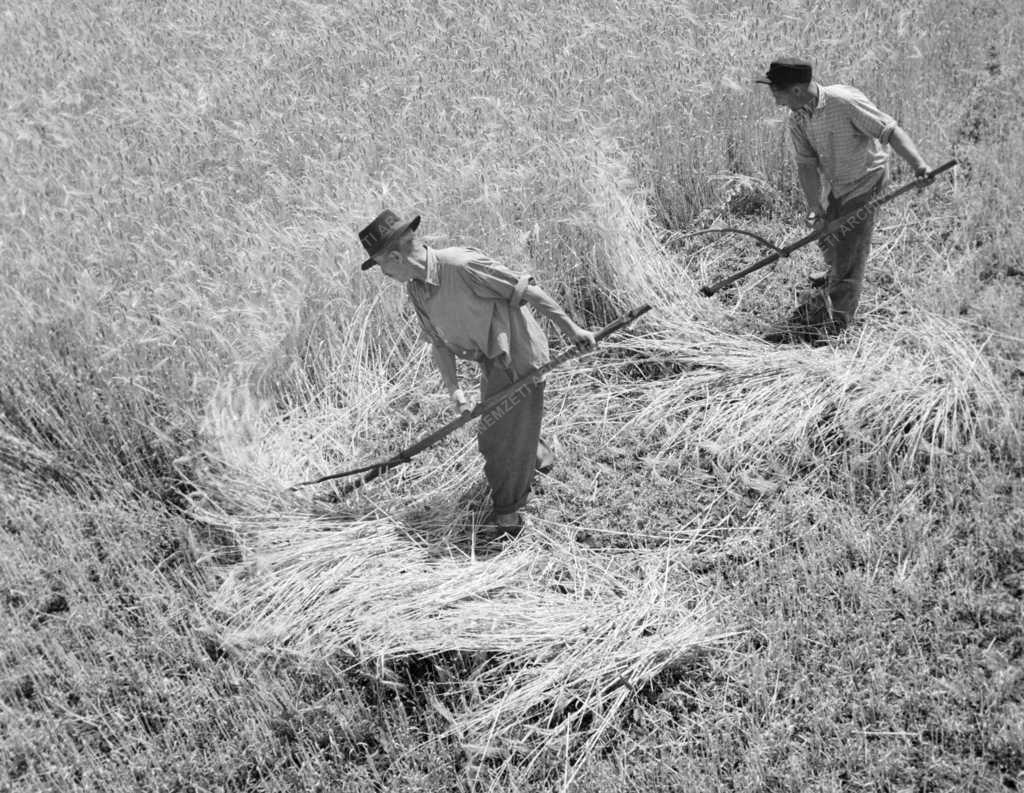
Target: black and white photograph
606,396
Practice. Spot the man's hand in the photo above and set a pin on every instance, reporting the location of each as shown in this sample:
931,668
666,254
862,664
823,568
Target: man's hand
815,219
904,146
459,401
582,338
540,300
921,172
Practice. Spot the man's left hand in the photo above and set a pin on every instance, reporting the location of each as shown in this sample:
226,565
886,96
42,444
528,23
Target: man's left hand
459,401
815,220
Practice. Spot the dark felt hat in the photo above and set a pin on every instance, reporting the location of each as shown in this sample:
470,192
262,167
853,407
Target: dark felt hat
383,229
787,71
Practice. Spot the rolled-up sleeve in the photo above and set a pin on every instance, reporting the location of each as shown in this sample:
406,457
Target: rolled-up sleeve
869,120
492,281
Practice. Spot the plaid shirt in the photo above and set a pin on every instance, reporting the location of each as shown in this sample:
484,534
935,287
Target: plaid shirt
845,136
473,306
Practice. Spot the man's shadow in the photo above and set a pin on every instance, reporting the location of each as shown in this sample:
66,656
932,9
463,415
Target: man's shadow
457,527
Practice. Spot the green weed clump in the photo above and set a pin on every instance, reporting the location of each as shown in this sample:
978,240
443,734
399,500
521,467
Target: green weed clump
753,568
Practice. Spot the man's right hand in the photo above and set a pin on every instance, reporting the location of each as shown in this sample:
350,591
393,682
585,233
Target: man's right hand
815,219
582,338
459,401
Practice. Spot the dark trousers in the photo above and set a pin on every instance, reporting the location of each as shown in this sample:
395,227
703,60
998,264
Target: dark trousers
509,438
845,250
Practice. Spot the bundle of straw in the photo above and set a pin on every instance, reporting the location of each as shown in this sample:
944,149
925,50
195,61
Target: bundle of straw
896,397
570,634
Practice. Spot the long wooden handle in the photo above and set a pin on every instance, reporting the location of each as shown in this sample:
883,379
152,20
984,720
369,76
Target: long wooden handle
919,182
372,470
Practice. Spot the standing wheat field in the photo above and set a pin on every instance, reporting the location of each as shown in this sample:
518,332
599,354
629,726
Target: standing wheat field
753,568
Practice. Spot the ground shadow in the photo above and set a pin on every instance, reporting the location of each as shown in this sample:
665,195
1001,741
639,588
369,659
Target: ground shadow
454,527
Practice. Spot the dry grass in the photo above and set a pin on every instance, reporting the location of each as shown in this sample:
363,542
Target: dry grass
564,636
731,524
884,400
876,412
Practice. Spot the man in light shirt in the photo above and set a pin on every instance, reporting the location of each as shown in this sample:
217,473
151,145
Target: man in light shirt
841,141
471,307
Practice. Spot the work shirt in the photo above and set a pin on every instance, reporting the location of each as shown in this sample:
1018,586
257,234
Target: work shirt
845,136
473,307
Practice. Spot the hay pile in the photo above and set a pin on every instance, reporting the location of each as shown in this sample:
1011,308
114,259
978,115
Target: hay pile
563,635
895,399
560,637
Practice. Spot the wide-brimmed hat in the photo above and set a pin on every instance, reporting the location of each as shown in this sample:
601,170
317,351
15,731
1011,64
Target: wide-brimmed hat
787,71
383,229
